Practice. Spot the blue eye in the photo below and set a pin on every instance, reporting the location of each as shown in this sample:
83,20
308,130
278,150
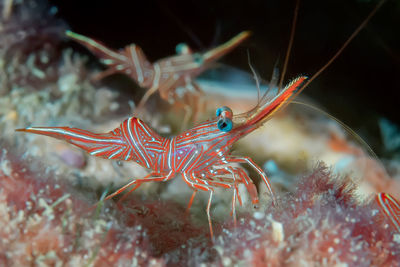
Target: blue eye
182,48
225,124
221,110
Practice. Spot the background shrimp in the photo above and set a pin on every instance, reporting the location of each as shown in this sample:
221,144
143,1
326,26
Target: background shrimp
165,75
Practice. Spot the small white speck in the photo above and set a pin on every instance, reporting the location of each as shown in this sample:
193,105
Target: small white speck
226,261
396,238
258,215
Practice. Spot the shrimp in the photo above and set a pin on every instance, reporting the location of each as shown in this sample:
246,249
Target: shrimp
201,155
165,75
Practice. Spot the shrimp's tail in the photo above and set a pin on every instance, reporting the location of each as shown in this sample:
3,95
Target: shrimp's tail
96,47
131,60
110,145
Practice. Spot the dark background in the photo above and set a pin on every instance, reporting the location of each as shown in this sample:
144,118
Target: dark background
360,86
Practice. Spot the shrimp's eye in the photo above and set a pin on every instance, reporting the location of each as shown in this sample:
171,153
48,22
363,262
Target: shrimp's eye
182,49
224,112
225,124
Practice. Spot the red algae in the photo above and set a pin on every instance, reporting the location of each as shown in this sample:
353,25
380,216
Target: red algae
322,223
167,225
43,222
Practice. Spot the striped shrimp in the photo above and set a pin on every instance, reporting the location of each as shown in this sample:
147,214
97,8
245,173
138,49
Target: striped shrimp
201,155
164,75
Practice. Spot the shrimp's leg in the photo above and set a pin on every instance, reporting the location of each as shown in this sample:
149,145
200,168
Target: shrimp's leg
208,213
234,207
168,85
130,191
186,117
120,190
101,75
257,168
243,178
147,178
251,188
192,103
233,211
146,96
198,101
197,88
238,196
191,201
163,88
190,180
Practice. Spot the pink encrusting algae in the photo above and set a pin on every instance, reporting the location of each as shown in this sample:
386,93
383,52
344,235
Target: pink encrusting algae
322,223
47,223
